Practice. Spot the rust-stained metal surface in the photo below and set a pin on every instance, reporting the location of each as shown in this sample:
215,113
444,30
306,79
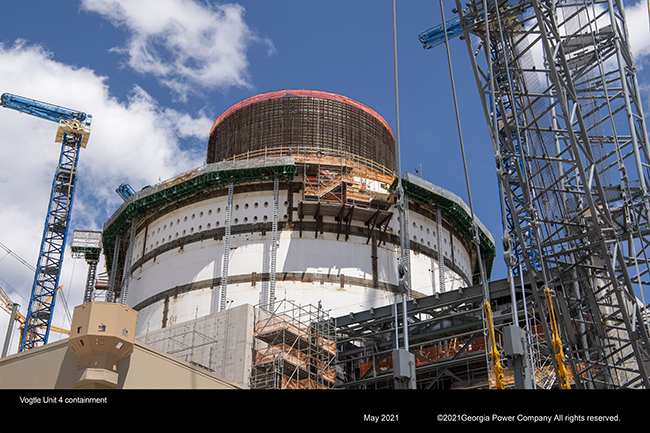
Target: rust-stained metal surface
299,120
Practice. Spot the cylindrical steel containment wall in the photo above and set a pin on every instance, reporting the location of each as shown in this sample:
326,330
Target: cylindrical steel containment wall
302,119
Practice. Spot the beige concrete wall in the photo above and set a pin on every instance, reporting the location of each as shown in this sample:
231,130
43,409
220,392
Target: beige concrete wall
54,366
148,368
222,342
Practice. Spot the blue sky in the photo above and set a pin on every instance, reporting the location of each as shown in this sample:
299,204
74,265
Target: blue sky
156,74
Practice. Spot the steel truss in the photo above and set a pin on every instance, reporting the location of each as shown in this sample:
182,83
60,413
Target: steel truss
561,101
447,335
48,270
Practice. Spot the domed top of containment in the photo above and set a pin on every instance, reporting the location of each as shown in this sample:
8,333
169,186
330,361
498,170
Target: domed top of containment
294,122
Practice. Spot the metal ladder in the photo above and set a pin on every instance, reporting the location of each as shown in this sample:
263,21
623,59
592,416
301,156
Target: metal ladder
129,259
441,256
110,296
407,246
274,244
90,280
226,250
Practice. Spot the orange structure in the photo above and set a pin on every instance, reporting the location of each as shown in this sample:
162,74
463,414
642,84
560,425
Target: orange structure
293,349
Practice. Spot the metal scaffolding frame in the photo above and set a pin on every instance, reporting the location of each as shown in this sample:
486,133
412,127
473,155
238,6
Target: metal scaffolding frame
293,348
561,101
448,334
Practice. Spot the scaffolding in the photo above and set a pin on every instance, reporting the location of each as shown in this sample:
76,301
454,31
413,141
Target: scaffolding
448,334
294,348
561,100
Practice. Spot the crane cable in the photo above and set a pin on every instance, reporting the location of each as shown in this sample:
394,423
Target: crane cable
557,343
33,269
475,231
494,352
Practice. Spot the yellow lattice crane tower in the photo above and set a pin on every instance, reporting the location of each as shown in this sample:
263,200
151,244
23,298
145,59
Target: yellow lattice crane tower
11,307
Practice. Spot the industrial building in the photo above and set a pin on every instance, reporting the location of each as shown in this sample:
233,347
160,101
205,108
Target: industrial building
290,222
102,353
293,206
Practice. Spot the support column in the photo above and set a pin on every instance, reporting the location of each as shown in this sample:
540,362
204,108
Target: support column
110,297
129,259
441,255
226,250
274,244
10,328
517,355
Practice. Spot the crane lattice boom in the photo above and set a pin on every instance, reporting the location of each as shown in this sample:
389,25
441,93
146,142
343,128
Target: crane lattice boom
560,97
72,133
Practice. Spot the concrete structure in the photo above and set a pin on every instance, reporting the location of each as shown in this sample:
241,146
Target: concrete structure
103,354
221,343
294,204
55,366
205,240
102,335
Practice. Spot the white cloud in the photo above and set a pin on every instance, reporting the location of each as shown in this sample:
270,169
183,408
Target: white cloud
136,141
187,46
638,25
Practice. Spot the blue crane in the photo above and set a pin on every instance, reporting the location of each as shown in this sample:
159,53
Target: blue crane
72,133
436,35
125,191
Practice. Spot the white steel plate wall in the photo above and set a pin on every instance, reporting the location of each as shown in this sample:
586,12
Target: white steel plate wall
315,264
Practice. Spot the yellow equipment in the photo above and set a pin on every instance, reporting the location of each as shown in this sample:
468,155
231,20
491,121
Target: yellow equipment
494,352
6,305
557,344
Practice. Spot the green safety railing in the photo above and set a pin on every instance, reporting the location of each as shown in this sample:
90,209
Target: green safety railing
454,211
